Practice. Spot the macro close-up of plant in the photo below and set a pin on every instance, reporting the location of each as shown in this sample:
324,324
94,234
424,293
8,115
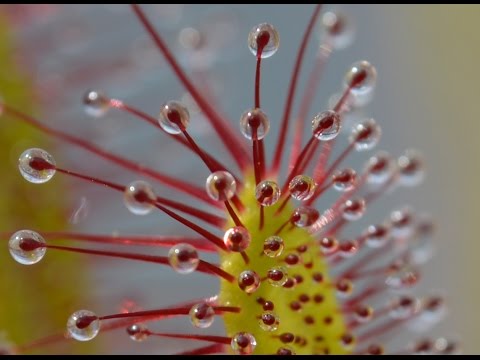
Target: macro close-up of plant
165,194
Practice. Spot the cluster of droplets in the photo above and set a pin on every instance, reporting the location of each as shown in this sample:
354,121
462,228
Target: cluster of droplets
37,166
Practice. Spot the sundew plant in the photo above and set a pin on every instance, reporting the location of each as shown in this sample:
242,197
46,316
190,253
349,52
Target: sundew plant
275,223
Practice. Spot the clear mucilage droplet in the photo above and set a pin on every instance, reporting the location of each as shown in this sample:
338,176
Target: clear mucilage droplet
402,222
328,245
202,315
267,193
273,246
403,307
137,332
183,258
83,325
36,166
254,122
337,30
380,167
265,37
366,135
444,346
139,197
269,321
237,239
304,216
348,248
243,343
326,125
249,281
411,167
361,78
434,310
344,180
377,236
286,350
363,313
174,117
96,103
277,276
26,248
302,187
421,247
353,210
403,276
221,185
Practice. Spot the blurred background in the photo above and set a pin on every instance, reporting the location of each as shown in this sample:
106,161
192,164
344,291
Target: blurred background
426,98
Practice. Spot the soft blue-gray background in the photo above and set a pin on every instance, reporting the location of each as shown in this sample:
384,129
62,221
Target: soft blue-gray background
425,99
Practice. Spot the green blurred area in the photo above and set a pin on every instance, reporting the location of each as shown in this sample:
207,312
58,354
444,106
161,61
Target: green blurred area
430,56
449,60
36,300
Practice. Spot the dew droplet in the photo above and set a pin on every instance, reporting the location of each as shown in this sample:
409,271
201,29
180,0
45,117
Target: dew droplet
403,307
402,222
447,347
277,276
183,258
379,168
264,37
137,332
326,125
304,216
347,341
337,30
202,315
344,288
328,245
377,236
287,338
96,103
191,39
36,165
411,168
267,193
286,350
254,122
243,343
174,117
83,325
348,248
422,347
292,259
361,78
421,246
375,349
402,276
365,136
344,180
139,197
434,310
353,210
221,185
268,305
273,246
363,313
249,281
269,321
302,187
237,239
27,247
290,283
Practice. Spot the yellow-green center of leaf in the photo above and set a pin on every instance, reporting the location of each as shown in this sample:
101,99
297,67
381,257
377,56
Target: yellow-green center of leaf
310,310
